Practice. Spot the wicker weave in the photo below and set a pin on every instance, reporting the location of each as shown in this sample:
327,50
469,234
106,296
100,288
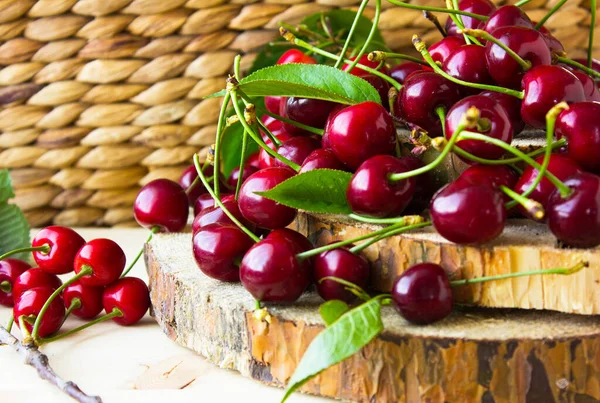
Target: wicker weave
100,97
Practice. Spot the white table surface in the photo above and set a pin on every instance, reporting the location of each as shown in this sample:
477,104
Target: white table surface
128,364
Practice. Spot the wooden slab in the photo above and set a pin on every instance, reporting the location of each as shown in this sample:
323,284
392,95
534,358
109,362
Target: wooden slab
473,356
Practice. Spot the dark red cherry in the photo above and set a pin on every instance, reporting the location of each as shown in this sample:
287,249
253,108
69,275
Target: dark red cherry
425,186
544,87
512,106
507,16
271,272
494,175
274,125
494,123
253,160
309,112
422,294
218,250
288,127
371,192
381,85
64,244
295,56
527,43
203,202
361,131
106,259
322,158
560,165
259,210
554,44
580,124
189,176
10,270
343,264
216,215
89,297
421,95
235,174
264,159
33,278
162,203
575,220
273,104
31,303
481,7
401,71
295,238
296,150
131,296
590,87
467,63
325,139
468,213
440,50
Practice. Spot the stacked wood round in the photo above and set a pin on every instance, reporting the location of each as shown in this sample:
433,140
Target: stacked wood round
99,97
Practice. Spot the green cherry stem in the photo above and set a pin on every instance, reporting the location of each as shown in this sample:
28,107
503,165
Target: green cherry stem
508,161
219,203
522,3
75,304
359,14
45,249
453,5
435,20
383,221
5,287
480,33
219,135
421,48
27,339
116,312
196,181
439,10
589,71
378,56
440,111
267,131
395,231
367,42
534,208
355,289
557,270
238,184
549,14
591,36
10,324
153,231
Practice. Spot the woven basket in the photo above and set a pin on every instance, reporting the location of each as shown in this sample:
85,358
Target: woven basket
98,97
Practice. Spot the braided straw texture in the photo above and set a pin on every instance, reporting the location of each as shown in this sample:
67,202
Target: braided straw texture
99,97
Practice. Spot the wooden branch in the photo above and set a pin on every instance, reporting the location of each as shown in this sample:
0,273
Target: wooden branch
39,361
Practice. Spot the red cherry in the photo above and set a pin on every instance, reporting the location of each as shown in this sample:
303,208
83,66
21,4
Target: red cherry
361,131
265,160
203,202
162,203
494,175
422,294
507,16
343,264
467,63
553,44
189,176
31,303
259,210
235,174
106,259
512,106
216,215
295,56
309,112
89,297
590,87
579,124
253,160
273,104
321,158
299,241
33,278
440,50
131,296
296,150
10,270
401,71
325,139
481,7
64,244
425,186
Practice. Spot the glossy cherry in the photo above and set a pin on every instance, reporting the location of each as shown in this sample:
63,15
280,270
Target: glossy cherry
216,215
297,149
481,7
31,303
468,213
401,71
508,16
575,220
271,272
295,56
590,87
106,259
259,210
206,201
264,159
422,294
343,264
33,278
64,244
189,176
89,297
360,132
467,63
494,175
299,241
544,87
273,104
512,106
163,204
10,270
131,296
371,192
320,159
494,122
310,112
581,127
554,44
440,50
253,160
235,174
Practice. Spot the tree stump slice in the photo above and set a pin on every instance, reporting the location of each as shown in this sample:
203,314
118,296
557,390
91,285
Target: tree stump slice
475,355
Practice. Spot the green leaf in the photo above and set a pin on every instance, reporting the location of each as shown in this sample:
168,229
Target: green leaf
344,338
317,191
332,310
14,230
231,148
6,191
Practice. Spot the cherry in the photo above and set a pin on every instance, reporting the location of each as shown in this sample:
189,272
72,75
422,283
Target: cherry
265,160
64,244
595,63
512,106
440,50
189,176
218,249
216,215
33,278
106,259
361,131
309,112
271,272
296,150
253,160
259,210
299,241
321,158
528,43
481,7
421,95
30,303
89,297
162,204
554,44
575,220
203,202
494,175
590,88
273,104
507,16
425,186
325,139
401,71
288,127
494,121
10,270
544,87
467,63
235,174
579,124
295,56
468,213
422,294
343,264
131,296
560,166
371,192
381,85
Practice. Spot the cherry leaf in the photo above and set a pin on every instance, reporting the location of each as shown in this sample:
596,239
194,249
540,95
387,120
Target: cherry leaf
14,229
332,310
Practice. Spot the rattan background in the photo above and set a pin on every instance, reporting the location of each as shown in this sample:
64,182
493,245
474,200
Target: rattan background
98,97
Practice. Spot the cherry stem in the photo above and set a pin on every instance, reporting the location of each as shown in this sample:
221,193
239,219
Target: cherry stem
534,208
383,221
75,304
11,321
238,185
421,48
153,231
508,161
219,135
219,203
5,287
367,42
378,56
453,5
395,231
549,14
480,33
45,249
440,111
589,71
257,305
439,10
85,270
313,130
116,312
522,3
27,340
196,181
267,131
353,288
432,17
359,14
591,37
559,270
